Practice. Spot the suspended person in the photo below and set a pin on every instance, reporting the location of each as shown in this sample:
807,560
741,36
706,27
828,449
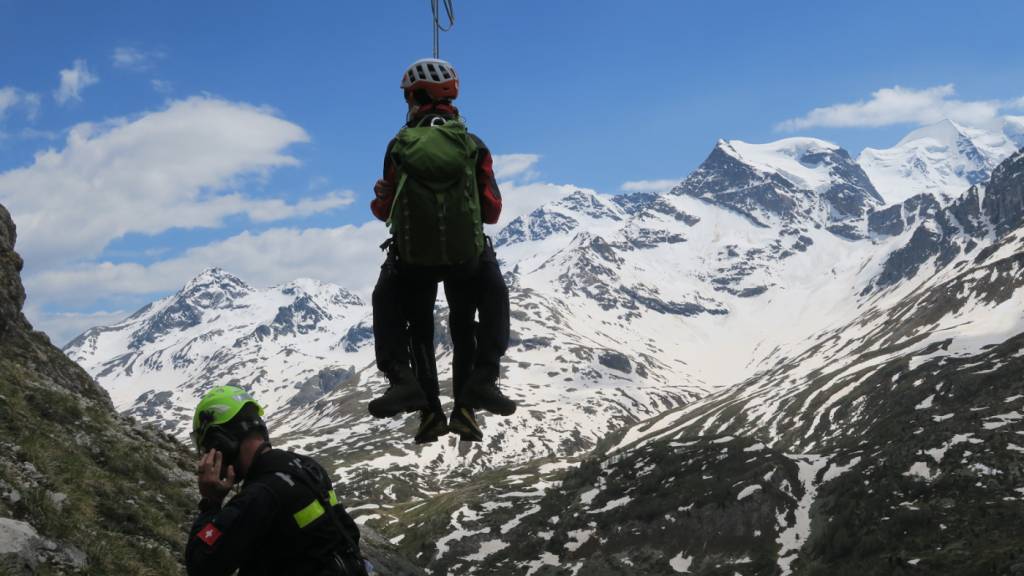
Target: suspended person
437,190
286,519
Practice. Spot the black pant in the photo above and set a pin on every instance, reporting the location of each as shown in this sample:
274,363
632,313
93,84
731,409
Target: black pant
403,317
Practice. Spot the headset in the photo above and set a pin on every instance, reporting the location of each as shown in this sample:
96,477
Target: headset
227,439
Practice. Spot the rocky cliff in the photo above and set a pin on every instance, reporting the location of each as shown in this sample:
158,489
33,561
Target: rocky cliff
84,490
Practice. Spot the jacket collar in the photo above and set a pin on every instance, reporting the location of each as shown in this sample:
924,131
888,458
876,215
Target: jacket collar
446,109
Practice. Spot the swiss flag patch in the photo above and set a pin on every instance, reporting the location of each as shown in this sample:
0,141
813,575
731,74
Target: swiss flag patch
209,534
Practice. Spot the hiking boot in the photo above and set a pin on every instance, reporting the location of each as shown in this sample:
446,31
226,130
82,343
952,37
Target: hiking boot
432,426
481,392
463,423
403,395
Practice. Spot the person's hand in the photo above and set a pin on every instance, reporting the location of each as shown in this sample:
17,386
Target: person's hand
383,189
211,486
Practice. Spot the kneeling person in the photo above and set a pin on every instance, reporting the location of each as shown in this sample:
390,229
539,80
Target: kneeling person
285,520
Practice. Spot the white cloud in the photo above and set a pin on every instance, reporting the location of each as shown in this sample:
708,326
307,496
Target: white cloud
72,81
8,98
168,169
61,327
347,255
650,185
271,210
33,102
898,105
161,86
508,166
11,98
128,58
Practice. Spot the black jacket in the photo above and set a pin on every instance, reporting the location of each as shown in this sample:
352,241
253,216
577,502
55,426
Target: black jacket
286,520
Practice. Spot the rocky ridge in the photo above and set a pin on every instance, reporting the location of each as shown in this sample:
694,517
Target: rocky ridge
82,488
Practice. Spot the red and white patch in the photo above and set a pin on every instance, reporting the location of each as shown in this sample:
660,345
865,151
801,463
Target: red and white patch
209,534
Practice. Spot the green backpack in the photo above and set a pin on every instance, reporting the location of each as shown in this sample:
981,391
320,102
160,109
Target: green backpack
435,217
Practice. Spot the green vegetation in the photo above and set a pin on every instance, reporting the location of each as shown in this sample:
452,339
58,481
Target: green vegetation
87,478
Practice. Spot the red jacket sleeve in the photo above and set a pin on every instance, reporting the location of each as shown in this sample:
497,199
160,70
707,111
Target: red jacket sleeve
381,203
487,186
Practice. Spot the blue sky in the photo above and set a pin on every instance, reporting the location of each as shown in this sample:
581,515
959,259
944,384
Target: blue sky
249,135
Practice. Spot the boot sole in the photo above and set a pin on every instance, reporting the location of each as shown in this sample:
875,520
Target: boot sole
468,401
390,411
432,434
466,431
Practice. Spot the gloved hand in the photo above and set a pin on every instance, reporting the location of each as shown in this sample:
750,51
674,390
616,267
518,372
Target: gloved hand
383,190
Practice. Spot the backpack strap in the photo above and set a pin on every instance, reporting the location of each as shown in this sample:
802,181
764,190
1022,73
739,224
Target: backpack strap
403,176
294,469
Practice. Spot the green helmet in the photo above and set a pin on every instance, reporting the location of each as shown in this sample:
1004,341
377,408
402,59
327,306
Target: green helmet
217,408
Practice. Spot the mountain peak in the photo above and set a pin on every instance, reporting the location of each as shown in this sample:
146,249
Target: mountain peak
800,160
943,159
789,181
213,288
318,290
945,131
213,275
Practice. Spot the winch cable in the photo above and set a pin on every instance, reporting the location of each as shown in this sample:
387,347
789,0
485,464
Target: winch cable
438,27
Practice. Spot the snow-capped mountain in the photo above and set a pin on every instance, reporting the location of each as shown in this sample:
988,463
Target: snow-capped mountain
796,182
217,330
306,350
763,319
619,305
889,442
941,159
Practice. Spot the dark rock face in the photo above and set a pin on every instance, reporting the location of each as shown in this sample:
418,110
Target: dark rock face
12,294
325,381
945,233
88,490
615,361
645,239
1004,195
153,404
896,219
923,245
300,317
726,181
887,222
636,202
356,336
853,185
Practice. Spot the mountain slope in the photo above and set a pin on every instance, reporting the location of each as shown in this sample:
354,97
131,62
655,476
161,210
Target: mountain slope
775,266
890,442
619,307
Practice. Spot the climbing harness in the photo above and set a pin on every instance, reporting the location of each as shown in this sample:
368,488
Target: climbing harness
438,27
